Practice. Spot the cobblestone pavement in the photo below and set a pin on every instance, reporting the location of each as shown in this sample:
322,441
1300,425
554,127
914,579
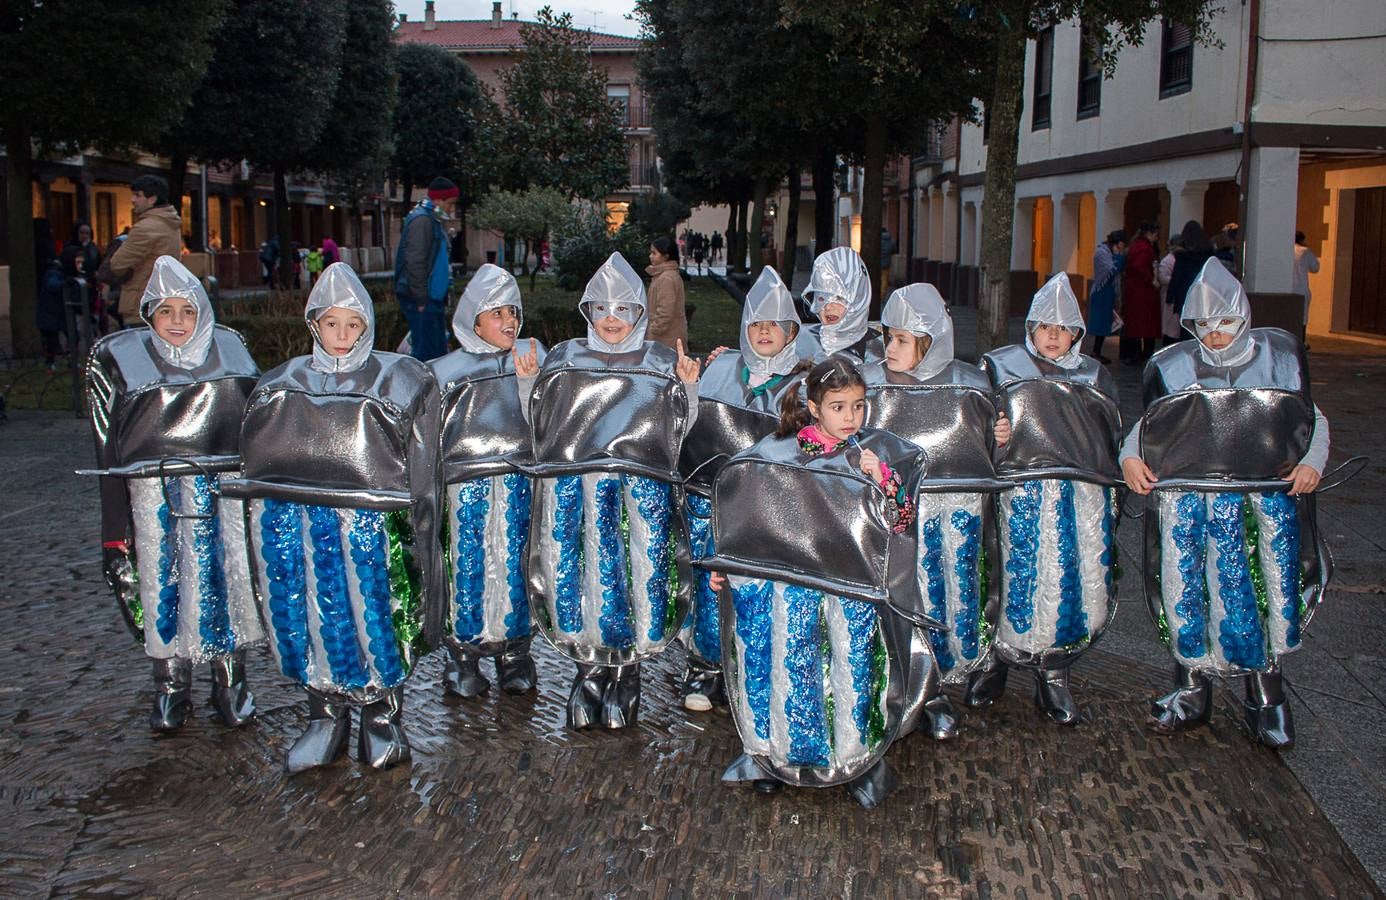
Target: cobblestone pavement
502,801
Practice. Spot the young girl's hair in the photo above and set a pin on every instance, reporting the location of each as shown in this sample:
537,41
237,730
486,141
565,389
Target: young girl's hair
836,373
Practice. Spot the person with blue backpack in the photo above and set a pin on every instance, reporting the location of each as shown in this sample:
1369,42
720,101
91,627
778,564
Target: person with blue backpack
423,273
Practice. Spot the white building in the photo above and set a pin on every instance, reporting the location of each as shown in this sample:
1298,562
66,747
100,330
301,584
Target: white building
1168,137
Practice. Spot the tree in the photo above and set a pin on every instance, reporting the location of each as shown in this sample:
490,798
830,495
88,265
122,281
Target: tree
438,122
557,125
658,214
528,216
127,105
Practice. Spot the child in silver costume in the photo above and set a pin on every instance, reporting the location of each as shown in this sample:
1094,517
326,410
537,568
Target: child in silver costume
839,294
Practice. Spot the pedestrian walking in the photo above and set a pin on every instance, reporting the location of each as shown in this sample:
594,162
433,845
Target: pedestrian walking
423,273
1140,287
1107,262
668,314
1306,263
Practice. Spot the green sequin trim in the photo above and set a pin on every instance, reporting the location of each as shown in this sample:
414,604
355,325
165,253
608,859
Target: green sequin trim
1253,558
875,722
1162,627
404,587
132,602
825,653
983,585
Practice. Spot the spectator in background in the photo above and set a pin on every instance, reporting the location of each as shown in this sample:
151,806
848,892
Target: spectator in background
1169,319
314,264
716,244
699,253
423,274
668,317
1140,291
269,260
887,251
48,311
1225,248
1107,262
156,232
1188,262
330,253
1305,264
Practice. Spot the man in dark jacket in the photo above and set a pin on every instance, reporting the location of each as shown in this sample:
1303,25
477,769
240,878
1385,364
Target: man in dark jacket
423,274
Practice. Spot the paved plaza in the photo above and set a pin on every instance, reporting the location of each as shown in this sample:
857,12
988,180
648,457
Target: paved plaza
502,801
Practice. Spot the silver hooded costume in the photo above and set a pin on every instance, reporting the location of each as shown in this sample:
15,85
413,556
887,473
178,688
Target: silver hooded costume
608,563
1057,525
738,404
488,497
166,420
817,621
1234,566
341,478
945,407
840,276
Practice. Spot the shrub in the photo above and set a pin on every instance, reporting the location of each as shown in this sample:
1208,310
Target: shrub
586,242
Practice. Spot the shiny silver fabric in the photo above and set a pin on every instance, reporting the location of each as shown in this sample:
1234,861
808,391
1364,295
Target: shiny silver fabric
769,300
868,348
1226,439
170,278
840,276
817,521
631,408
920,310
1214,295
490,288
731,418
145,411
484,432
1055,304
338,286
616,289
1276,360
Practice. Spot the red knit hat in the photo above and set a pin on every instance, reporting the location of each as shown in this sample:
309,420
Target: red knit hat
442,189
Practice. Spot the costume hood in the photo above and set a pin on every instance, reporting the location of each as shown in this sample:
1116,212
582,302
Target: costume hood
339,286
920,310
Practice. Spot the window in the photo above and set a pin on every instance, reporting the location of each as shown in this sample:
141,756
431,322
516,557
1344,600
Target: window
1176,59
1044,79
619,95
1090,72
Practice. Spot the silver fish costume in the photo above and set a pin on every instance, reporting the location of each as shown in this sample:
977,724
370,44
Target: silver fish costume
1057,525
1234,566
488,497
608,566
166,405
341,484
738,404
945,407
816,650
839,276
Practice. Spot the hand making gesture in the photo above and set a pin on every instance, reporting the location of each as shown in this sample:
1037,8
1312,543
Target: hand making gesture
687,367
527,366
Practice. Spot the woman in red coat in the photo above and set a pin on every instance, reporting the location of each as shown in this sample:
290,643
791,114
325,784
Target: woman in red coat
1141,295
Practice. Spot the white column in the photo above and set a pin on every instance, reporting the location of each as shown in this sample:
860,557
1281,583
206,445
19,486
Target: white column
1066,214
967,253
1111,212
1185,203
935,222
1023,235
950,222
1269,230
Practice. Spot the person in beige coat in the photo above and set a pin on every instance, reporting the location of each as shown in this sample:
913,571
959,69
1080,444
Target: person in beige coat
157,232
668,321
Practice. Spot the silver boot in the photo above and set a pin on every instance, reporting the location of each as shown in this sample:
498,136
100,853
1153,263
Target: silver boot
515,668
1268,710
585,698
621,699
1188,706
231,698
381,741
1052,695
324,741
462,673
986,685
172,694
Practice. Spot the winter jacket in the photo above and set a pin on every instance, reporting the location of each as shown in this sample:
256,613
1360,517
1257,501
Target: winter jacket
668,319
156,233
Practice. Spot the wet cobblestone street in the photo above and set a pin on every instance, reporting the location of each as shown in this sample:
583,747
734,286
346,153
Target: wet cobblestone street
502,801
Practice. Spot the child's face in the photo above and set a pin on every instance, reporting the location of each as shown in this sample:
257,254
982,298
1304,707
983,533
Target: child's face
841,413
833,311
611,321
1052,341
339,329
902,349
767,338
1217,334
498,327
174,320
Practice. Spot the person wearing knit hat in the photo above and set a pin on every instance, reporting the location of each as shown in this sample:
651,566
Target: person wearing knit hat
423,272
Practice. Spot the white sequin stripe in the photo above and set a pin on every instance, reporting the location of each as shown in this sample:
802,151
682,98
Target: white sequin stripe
592,550
188,642
256,511
750,741
1091,508
318,670
778,751
1216,611
1044,618
496,593
848,746
145,500
345,519
1276,625
640,570
1172,580
240,601
548,550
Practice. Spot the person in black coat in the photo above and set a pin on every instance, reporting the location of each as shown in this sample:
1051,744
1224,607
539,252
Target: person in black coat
1188,262
48,312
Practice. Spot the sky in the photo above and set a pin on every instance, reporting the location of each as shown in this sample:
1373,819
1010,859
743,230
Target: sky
607,16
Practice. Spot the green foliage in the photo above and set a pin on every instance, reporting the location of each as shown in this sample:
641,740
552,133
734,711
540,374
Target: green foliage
657,214
354,146
558,128
585,242
436,117
528,215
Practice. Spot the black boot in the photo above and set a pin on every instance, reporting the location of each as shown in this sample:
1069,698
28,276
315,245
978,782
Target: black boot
1052,696
1268,711
702,686
621,699
231,698
515,668
585,699
172,694
324,741
381,741
873,786
986,685
462,673
1188,706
